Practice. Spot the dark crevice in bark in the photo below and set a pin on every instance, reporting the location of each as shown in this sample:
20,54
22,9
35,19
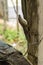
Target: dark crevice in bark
4,63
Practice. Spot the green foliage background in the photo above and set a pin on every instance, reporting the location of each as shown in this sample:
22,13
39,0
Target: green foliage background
10,36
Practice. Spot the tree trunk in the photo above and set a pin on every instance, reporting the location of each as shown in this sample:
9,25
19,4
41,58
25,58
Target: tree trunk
40,51
30,27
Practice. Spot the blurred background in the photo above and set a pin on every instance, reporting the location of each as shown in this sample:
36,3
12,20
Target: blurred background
10,29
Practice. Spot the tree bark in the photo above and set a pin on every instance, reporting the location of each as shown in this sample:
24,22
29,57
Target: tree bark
30,27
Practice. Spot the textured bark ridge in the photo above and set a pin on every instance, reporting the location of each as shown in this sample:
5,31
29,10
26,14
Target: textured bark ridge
10,56
30,27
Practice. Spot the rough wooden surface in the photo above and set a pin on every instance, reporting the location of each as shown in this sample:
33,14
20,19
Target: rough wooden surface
30,12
